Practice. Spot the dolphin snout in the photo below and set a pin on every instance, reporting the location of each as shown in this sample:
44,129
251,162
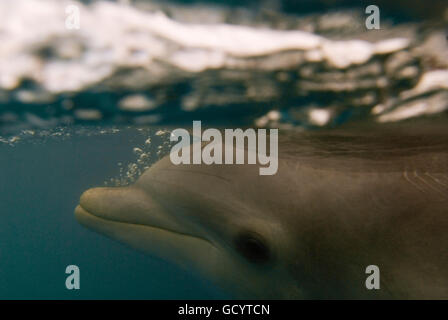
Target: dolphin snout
99,201
124,204
87,199
113,203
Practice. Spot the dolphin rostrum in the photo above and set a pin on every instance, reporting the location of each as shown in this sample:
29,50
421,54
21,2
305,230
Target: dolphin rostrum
340,201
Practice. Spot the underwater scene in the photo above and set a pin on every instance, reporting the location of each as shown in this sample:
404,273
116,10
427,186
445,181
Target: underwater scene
226,149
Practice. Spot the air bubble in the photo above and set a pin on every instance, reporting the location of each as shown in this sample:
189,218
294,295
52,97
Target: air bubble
138,151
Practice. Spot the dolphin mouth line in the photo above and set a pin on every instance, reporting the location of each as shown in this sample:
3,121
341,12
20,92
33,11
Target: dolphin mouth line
81,210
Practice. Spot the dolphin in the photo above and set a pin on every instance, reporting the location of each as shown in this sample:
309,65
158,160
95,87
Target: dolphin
341,200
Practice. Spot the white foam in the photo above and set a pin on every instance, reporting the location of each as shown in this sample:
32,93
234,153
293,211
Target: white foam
112,36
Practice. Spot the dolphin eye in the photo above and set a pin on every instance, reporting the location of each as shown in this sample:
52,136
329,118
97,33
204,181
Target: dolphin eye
252,247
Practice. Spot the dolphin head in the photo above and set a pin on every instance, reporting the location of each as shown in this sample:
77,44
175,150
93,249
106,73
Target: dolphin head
337,204
211,220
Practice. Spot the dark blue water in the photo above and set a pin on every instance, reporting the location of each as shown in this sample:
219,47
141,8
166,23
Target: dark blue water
41,182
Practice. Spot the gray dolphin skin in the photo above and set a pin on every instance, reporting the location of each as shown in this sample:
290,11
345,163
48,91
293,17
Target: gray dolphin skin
341,200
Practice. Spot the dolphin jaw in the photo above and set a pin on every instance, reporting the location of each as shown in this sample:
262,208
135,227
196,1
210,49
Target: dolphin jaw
93,202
